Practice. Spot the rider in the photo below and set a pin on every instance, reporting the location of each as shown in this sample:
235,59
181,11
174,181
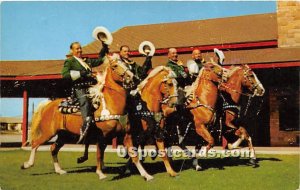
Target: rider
79,70
140,72
178,67
195,64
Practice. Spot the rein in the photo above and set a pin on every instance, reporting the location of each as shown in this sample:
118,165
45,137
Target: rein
236,91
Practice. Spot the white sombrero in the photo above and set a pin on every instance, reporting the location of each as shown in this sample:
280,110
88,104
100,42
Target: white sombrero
220,54
147,48
102,34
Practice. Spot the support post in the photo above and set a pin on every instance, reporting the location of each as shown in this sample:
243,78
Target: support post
25,118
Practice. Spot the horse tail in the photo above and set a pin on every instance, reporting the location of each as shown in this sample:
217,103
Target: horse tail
36,119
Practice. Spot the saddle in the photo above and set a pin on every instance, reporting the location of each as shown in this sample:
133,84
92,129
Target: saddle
69,105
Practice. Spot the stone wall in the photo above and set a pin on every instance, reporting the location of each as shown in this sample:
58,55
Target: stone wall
288,19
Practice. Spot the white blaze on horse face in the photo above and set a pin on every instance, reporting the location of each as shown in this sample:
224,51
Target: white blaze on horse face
260,86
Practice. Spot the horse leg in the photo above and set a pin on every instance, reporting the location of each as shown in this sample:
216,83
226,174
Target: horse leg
55,147
35,145
203,132
85,156
134,157
236,143
229,117
100,156
195,161
30,162
244,134
164,156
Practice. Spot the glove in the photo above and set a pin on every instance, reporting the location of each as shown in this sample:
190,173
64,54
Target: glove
104,50
85,73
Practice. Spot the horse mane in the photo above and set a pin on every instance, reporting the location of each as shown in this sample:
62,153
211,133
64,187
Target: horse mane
229,72
153,73
95,92
191,89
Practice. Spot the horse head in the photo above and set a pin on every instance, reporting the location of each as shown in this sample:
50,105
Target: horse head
215,70
119,70
251,81
168,88
159,88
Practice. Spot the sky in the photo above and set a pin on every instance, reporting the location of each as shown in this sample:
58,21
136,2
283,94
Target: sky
41,30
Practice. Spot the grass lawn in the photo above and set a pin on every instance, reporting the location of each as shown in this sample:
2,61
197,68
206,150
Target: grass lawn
274,172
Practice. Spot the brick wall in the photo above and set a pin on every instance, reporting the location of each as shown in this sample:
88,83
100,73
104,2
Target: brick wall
278,137
288,19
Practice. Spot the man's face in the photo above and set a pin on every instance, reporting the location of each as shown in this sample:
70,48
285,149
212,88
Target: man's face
76,50
124,53
172,55
196,55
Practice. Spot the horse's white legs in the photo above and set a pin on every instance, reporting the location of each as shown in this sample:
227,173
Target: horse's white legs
99,158
30,162
142,171
251,148
54,151
236,143
196,164
134,157
58,169
100,174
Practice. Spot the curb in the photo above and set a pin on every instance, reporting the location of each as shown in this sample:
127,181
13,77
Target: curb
218,149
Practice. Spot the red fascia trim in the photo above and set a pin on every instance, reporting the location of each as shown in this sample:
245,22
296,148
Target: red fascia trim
275,65
219,46
271,65
39,77
272,43
253,66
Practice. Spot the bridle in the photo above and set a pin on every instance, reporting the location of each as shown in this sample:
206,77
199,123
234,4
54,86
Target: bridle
248,77
168,96
126,74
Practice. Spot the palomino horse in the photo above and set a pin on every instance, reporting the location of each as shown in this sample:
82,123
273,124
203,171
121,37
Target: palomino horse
204,93
48,121
159,92
238,77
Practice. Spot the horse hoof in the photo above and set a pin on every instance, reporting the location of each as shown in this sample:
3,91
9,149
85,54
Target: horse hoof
101,177
252,161
61,172
26,166
229,145
127,172
82,159
148,178
198,168
173,174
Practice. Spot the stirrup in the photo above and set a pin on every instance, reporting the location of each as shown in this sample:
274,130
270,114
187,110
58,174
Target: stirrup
82,135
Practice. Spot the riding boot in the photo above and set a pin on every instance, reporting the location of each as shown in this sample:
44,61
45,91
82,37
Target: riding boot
84,129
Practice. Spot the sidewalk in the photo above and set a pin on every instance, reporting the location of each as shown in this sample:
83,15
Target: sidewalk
218,149
13,142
